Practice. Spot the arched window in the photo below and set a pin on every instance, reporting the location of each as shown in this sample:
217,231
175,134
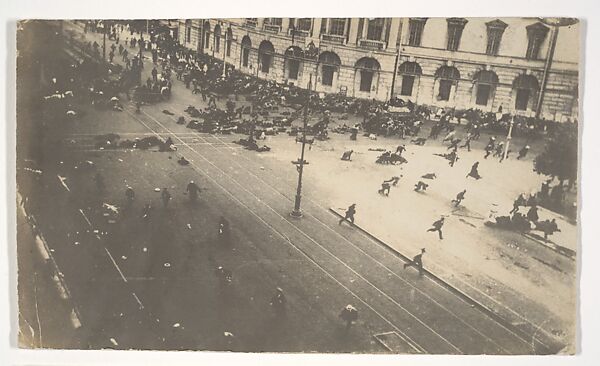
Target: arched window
448,76
525,87
246,47
265,56
410,71
217,36
485,84
206,28
367,68
293,58
330,64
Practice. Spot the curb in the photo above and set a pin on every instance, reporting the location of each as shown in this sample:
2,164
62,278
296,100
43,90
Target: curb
564,251
46,254
492,314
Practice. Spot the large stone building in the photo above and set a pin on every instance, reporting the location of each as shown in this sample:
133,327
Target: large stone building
468,63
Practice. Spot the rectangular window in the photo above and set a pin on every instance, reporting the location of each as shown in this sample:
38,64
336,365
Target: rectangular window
536,34
483,94
415,31
327,78
454,34
228,48
304,24
533,47
493,41
245,56
375,29
188,34
522,99
366,78
217,44
337,26
445,87
407,85
455,29
265,63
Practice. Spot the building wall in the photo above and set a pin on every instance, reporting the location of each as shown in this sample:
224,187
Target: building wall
560,94
346,78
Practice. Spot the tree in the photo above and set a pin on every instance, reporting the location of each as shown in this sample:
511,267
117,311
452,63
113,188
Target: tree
559,158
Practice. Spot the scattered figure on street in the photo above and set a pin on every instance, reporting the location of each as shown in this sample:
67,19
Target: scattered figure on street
420,141
385,189
193,190
421,186
224,275
499,150
532,214
349,314
130,195
429,176
400,149
349,216
437,226
459,197
183,161
523,152
490,147
165,197
278,301
146,212
394,180
467,143
223,232
416,262
346,156
474,173
548,227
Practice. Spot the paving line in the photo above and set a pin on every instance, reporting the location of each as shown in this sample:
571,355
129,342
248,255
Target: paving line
408,340
396,275
345,239
369,256
311,239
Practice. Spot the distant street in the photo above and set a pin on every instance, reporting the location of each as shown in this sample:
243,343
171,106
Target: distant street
152,282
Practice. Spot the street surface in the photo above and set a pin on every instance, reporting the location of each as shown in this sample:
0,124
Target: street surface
151,284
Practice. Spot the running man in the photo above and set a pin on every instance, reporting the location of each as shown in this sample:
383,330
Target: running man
349,216
437,226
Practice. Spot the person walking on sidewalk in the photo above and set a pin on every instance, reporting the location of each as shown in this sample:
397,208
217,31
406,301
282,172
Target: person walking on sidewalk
437,226
349,216
416,262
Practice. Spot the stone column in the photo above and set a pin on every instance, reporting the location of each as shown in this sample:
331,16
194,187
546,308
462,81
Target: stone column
285,25
394,30
316,28
353,31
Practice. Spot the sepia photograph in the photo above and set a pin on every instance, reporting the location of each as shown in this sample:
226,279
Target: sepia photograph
402,185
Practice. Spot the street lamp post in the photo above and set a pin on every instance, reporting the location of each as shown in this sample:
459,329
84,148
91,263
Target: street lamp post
225,56
297,212
508,137
104,41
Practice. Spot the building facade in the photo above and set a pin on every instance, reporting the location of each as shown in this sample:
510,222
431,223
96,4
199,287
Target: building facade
481,63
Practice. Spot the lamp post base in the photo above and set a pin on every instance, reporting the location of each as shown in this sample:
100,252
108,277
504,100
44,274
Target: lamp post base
296,214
